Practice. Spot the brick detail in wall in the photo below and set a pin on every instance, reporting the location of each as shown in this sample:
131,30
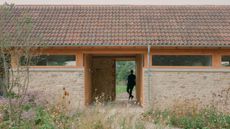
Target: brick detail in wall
202,88
47,86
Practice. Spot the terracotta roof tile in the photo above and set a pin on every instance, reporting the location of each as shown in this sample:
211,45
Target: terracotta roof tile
81,25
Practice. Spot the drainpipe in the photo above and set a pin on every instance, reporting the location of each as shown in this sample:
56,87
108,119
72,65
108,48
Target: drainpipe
149,75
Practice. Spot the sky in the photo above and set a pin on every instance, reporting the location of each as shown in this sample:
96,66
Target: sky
118,2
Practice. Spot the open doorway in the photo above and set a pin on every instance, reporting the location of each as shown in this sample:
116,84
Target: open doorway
105,81
123,68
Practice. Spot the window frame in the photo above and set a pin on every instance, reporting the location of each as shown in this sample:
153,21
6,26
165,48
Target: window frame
222,66
182,54
64,54
182,62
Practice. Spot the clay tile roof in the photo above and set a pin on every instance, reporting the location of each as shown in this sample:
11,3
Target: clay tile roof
113,25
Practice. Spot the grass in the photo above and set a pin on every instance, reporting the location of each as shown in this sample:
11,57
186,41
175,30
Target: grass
185,115
60,116
97,117
108,117
204,119
120,89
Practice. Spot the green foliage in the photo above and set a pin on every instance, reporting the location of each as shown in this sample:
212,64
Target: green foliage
123,70
54,118
120,89
12,95
204,119
43,119
26,107
98,125
139,125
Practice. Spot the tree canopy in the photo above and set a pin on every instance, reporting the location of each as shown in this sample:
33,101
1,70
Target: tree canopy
123,70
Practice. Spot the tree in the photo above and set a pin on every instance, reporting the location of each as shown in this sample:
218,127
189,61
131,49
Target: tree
15,43
123,70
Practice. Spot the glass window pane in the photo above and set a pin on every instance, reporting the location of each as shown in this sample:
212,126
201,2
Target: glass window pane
225,61
39,61
61,60
34,61
182,60
51,60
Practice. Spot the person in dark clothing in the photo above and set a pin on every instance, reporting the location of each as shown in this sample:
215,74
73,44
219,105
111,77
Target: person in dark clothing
131,83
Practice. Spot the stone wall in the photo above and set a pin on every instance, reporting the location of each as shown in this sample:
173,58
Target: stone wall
202,87
47,85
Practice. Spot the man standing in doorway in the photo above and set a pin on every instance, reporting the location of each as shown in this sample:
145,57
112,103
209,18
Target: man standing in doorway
131,83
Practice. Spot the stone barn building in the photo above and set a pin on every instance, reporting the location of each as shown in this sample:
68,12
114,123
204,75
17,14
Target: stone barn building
182,53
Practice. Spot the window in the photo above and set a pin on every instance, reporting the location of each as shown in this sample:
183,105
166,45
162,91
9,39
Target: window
182,60
51,60
225,61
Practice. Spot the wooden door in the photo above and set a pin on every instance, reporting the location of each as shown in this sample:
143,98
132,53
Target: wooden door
103,78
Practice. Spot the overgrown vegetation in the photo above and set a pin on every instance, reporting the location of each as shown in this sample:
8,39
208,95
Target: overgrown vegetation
187,115
205,119
87,119
108,117
14,80
59,116
184,115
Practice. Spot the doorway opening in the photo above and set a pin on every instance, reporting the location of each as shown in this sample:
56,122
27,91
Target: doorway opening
106,76
123,68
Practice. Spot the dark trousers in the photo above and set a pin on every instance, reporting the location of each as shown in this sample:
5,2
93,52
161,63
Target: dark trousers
130,90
